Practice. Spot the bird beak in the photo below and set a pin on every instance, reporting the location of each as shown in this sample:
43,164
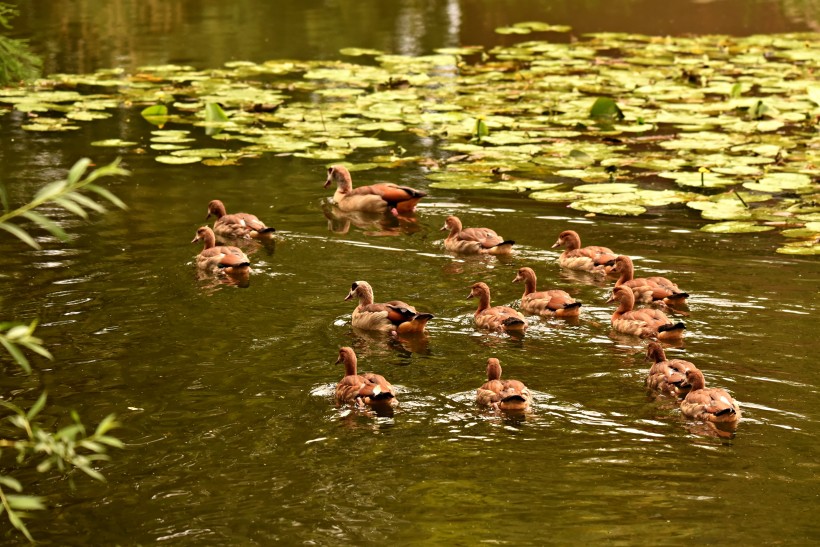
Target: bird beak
196,238
339,360
208,215
469,296
611,299
517,278
556,244
350,295
443,228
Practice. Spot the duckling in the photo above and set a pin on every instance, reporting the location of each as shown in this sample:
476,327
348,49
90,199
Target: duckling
591,259
394,316
708,404
220,259
376,198
545,303
646,289
645,322
362,390
500,318
502,394
474,240
666,375
237,225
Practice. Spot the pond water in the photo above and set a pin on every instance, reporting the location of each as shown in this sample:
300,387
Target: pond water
225,394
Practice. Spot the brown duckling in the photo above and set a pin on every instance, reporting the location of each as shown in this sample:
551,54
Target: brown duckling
502,394
394,316
554,302
591,259
362,390
500,318
666,375
376,198
237,225
708,404
646,289
644,322
220,259
474,240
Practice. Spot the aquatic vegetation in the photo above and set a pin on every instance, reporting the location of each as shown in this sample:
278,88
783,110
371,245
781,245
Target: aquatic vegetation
677,119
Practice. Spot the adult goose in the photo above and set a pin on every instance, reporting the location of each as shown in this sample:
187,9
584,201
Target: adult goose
376,198
223,260
666,375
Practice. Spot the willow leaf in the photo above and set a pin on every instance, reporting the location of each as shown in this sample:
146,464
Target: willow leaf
47,224
19,233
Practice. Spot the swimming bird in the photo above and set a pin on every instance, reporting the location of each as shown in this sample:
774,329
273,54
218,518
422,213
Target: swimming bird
237,225
394,316
666,375
646,289
502,394
474,240
554,302
362,389
376,198
220,259
708,404
645,322
591,259
500,318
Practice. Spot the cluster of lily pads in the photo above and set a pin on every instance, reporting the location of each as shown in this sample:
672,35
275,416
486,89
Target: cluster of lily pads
609,123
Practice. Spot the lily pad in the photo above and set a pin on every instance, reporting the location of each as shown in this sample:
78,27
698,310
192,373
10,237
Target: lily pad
607,188
781,182
735,227
178,160
613,209
115,143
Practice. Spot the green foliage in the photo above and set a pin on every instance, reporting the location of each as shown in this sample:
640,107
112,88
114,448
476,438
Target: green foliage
17,62
70,447
13,336
65,193
156,114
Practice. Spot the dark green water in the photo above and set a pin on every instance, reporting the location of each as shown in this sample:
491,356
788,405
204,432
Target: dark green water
225,394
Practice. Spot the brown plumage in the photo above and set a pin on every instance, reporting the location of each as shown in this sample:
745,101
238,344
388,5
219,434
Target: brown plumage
393,316
237,225
502,394
545,303
666,375
646,289
376,198
474,240
646,322
220,259
708,404
500,318
362,390
591,259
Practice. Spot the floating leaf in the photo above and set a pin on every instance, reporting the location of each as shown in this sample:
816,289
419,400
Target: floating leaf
605,108
155,115
735,227
781,182
114,143
607,187
178,160
614,209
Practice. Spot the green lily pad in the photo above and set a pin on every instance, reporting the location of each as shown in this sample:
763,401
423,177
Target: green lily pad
613,209
178,160
164,147
156,114
781,182
607,188
358,52
116,143
805,248
703,180
735,227
200,153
